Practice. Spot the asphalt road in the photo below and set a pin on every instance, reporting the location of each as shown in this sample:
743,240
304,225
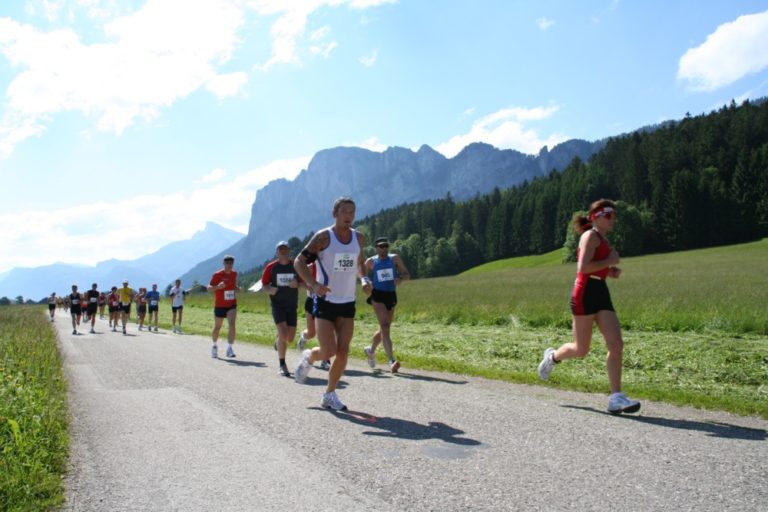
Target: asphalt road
159,425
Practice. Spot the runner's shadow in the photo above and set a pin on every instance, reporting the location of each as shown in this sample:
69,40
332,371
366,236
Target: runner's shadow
375,373
404,429
413,376
711,428
239,362
313,381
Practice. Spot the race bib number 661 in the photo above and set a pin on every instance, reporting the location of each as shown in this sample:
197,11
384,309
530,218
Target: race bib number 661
343,262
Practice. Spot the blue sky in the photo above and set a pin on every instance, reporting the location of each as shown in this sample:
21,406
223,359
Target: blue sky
125,125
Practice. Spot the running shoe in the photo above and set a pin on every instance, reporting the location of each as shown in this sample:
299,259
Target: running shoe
619,403
547,364
114,329
302,370
325,365
214,351
331,401
284,371
179,330
230,352
93,332
74,331
302,343
394,366
156,330
141,328
124,331
371,355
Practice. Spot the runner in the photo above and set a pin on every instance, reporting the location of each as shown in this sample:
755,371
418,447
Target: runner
126,298
281,282
92,297
224,284
83,308
309,333
52,304
177,295
102,303
591,302
74,308
388,272
141,307
338,251
113,305
153,298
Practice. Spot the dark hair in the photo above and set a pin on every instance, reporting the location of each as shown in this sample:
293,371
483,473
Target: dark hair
337,203
582,223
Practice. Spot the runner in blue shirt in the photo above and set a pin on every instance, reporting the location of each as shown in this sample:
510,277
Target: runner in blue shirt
153,301
388,271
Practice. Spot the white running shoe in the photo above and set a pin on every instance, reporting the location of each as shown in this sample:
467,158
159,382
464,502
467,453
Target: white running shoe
302,370
371,355
178,330
331,401
547,364
302,343
230,352
394,366
174,329
214,351
325,365
619,403
156,329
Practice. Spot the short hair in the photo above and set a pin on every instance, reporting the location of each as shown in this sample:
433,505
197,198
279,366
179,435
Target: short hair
338,202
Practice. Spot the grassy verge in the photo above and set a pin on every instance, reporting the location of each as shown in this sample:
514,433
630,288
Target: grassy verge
33,412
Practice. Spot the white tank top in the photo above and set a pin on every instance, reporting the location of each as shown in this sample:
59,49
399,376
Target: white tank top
337,268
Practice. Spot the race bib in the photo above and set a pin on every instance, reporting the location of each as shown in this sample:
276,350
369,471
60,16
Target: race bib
284,279
343,262
153,303
115,304
385,274
229,294
94,300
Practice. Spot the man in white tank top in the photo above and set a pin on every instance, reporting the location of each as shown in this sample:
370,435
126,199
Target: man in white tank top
338,255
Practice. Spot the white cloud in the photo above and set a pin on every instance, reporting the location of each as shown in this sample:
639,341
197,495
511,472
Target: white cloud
324,50
34,238
544,23
371,143
506,129
319,34
213,176
469,111
364,4
150,64
370,59
733,51
228,84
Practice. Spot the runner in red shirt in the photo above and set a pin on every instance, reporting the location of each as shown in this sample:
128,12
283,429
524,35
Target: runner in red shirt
591,302
224,285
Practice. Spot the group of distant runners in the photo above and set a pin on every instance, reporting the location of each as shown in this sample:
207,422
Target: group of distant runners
329,268
118,304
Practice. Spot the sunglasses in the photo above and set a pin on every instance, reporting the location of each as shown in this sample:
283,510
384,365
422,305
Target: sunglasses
383,246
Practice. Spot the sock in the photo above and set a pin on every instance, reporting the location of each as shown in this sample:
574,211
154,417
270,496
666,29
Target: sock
282,362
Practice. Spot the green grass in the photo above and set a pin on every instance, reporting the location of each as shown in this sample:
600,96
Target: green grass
549,259
33,412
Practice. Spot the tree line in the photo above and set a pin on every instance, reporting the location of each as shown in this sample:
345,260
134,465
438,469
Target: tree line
698,182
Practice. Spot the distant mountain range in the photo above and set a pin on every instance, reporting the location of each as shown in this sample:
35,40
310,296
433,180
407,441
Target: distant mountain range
161,267
378,180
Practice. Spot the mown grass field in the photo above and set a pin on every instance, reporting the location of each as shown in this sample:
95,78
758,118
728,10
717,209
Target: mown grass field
33,412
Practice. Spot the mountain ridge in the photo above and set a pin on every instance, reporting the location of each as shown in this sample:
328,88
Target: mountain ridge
379,180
